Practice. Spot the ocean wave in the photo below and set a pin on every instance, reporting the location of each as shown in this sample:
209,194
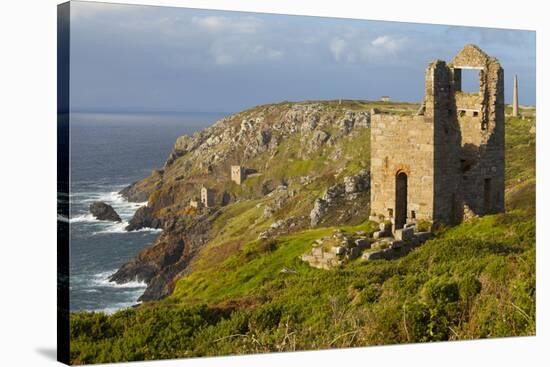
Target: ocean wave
102,280
116,307
86,218
109,227
123,207
120,227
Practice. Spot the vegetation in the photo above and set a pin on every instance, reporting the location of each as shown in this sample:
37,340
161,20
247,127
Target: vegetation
243,295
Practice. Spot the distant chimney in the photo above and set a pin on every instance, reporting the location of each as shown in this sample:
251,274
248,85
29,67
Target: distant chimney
515,104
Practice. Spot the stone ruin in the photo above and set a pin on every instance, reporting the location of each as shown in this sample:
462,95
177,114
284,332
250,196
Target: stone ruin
341,248
515,102
238,174
442,165
336,250
446,163
390,244
207,197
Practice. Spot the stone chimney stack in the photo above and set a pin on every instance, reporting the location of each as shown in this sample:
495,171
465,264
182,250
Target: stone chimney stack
515,104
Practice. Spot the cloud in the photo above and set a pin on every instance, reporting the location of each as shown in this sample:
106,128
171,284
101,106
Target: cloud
386,43
228,51
219,24
275,54
337,46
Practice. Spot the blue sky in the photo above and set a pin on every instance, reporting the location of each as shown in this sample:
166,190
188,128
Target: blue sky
144,58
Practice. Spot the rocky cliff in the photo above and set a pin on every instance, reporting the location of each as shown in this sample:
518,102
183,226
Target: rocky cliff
306,164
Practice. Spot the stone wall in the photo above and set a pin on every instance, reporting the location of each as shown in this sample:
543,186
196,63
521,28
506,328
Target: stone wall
401,144
452,151
481,119
237,174
207,197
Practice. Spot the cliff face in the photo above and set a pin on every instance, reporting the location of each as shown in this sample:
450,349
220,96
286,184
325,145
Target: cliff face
306,165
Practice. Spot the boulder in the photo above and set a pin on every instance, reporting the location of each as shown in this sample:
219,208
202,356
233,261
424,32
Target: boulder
319,208
143,218
103,211
319,138
357,183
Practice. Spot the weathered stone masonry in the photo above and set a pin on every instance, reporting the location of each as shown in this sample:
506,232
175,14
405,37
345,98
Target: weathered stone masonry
446,162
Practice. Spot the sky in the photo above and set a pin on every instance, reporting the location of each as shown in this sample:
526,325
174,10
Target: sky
133,58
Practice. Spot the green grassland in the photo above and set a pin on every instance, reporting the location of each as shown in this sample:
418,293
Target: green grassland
244,295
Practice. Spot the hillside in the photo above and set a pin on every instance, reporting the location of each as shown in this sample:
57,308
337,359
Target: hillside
232,281
293,153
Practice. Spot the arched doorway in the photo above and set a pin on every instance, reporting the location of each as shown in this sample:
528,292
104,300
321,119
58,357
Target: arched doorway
400,199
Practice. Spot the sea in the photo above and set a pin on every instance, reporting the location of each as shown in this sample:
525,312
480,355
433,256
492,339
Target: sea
109,151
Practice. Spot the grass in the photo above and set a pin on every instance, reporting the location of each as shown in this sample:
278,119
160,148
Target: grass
474,280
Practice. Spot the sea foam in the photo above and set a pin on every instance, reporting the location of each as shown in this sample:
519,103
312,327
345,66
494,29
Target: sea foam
102,280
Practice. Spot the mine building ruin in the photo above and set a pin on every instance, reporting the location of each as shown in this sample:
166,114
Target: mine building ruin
207,197
446,163
237,174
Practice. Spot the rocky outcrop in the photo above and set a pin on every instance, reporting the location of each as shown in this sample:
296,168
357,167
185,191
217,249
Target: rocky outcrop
103,211
356,184
144,218
299,134
320,207
139,191
349,190
168,257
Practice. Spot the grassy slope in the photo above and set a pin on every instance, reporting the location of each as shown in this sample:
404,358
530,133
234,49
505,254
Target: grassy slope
474,280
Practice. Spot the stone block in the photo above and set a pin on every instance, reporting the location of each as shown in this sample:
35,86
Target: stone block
374,255
317,251
404,234
396,244
362,243
379,245
339,250
385,227
354,253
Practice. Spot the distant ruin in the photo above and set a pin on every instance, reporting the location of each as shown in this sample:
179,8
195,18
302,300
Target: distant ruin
515,102
238,174
446,163
207,197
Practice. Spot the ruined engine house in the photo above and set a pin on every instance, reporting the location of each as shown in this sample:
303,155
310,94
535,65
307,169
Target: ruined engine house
446,163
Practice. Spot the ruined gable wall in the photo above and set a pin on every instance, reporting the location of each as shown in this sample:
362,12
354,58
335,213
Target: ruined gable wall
440,104
484,141
402,143
481,119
